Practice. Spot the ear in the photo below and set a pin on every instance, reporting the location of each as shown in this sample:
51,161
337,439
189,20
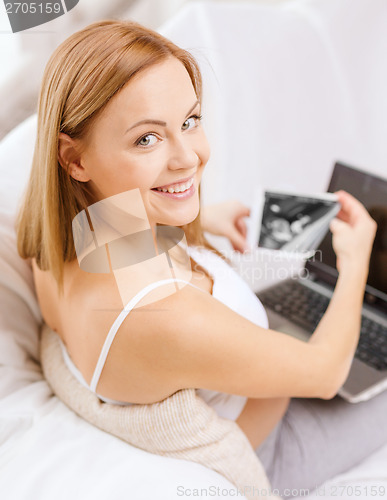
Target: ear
69,157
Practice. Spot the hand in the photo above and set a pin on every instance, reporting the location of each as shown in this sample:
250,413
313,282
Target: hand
226,219
353,232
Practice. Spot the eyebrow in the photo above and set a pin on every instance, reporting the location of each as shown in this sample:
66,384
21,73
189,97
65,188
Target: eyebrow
158,122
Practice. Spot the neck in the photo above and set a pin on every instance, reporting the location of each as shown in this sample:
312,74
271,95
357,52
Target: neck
153,228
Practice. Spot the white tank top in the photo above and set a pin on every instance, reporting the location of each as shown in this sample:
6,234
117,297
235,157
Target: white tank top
229,288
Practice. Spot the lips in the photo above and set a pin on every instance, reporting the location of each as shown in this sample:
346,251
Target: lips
176,183
181,194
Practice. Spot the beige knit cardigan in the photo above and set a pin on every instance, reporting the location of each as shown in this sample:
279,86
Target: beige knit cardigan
181,426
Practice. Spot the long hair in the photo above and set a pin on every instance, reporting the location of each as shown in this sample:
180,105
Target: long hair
83,73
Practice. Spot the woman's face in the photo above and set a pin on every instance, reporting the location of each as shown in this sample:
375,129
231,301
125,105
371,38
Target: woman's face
149,136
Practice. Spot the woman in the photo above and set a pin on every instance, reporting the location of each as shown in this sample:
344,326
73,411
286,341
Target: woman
119,112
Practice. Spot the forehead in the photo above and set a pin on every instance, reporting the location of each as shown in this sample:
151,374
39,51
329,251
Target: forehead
163,88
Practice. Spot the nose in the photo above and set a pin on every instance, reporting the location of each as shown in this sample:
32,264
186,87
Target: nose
182,154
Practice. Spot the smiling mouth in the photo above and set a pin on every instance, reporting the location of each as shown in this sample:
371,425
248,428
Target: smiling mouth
176,188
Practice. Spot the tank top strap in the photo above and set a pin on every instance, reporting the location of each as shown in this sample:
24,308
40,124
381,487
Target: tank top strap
118,322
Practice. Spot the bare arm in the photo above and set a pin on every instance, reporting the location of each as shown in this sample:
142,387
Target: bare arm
339,328
192,340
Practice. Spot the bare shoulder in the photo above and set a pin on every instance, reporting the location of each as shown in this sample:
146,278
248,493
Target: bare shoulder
136,369
81,313
139,367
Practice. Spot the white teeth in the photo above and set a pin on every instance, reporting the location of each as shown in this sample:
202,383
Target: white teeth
177,188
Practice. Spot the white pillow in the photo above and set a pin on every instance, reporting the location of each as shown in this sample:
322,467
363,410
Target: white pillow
20,314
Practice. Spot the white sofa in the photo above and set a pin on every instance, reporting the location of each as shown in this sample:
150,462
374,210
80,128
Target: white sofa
289,88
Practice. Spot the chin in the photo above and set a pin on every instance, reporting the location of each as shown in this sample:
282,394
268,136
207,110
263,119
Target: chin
179,219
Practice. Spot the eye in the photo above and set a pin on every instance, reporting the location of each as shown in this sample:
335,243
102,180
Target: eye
147,140
191,122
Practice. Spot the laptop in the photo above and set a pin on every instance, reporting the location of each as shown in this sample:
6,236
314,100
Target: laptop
295,306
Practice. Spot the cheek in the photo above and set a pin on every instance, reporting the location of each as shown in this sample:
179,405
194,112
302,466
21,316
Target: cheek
203,149
142,172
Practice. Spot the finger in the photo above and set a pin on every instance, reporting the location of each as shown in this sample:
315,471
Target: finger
244,211
351,208
238,241
241,210
342,215
337,225
241,227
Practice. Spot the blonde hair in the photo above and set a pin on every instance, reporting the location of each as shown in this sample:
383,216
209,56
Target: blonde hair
83,73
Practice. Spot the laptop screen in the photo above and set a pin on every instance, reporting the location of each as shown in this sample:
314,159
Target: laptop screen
372,192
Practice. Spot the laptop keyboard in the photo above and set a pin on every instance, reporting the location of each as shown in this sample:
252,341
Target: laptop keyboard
305,307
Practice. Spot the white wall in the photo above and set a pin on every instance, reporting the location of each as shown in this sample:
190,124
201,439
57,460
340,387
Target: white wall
23,55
